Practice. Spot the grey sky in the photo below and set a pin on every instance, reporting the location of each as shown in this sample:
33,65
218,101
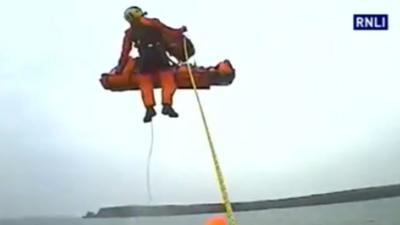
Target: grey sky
322,115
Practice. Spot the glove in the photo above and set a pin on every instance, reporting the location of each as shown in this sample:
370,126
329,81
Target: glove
118,69
183,29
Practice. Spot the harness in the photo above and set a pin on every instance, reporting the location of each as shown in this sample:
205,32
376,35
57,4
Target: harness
147,37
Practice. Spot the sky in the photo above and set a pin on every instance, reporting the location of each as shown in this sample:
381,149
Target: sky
314,107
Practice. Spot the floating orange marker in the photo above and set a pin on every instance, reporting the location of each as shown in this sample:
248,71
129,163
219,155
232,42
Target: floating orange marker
217,220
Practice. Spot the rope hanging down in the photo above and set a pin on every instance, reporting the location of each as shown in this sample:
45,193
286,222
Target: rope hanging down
148,163
220,177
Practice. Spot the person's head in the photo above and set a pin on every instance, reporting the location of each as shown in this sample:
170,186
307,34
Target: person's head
133,13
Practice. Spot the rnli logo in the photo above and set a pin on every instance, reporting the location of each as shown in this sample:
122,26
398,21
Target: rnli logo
370,22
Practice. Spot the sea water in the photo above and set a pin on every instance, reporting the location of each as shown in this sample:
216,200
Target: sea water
379,212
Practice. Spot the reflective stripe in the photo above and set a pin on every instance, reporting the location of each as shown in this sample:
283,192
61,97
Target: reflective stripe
150,45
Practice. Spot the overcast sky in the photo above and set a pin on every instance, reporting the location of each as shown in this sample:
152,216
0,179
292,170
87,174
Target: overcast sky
314,108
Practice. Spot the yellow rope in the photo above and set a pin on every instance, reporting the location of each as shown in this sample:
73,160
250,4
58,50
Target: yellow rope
220,177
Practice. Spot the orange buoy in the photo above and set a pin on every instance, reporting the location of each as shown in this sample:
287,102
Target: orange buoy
217,220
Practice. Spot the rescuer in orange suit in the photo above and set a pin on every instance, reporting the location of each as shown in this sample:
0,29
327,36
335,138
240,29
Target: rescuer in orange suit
147,36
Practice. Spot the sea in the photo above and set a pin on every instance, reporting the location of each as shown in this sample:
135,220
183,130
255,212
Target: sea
379,212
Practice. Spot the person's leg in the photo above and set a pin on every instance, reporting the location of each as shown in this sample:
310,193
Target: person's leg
168,85
156,61
147,92
146,88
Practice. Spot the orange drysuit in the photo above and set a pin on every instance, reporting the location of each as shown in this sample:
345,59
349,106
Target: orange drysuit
152,38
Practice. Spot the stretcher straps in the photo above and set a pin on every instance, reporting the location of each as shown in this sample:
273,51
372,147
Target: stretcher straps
218,171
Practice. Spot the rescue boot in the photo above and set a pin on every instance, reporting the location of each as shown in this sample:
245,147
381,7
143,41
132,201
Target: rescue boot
168,110
150,113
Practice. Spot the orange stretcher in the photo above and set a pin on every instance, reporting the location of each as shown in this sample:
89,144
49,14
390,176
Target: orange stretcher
222,74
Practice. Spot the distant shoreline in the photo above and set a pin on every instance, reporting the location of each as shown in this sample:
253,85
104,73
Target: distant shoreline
354,195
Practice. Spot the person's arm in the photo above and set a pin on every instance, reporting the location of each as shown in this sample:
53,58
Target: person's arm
126,49
154,22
